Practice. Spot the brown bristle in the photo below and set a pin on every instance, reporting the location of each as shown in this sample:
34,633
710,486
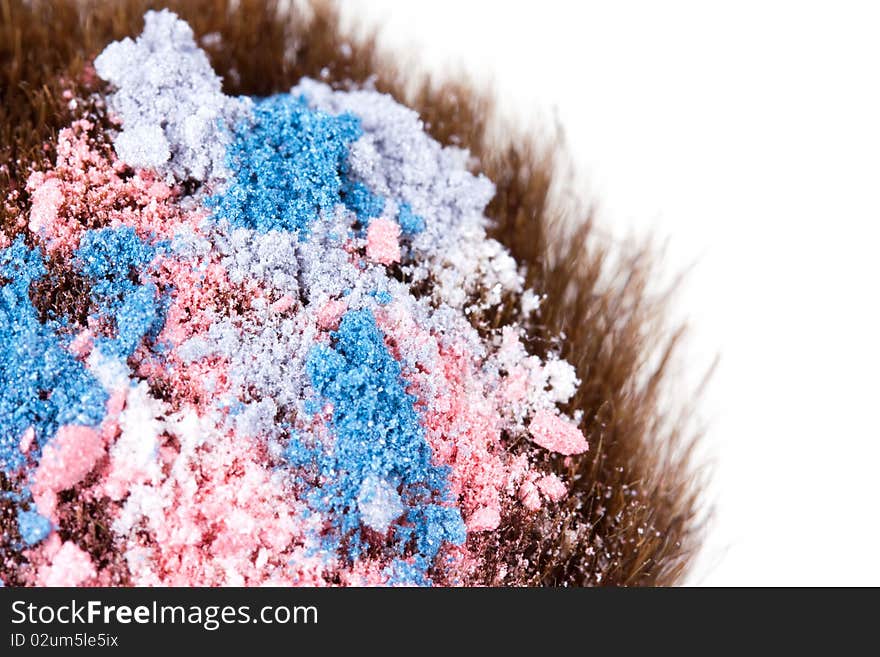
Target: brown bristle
62,294
87,522
11,559
633,517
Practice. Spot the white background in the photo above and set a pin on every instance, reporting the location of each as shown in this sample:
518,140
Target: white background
748,134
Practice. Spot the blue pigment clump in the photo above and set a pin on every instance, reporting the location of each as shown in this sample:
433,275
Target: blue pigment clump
359,199
41,383
403,573
33,527
287,162
410,223
378,436
111,259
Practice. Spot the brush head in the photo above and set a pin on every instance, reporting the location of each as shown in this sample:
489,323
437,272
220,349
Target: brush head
304,318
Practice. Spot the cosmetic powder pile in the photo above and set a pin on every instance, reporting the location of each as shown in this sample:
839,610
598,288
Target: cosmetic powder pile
250,341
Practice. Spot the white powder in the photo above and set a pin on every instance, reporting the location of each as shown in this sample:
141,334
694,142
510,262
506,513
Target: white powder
170,101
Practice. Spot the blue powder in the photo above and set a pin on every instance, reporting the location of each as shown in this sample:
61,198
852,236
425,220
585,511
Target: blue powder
33,527
358,198
111,258
287,164
430,526
377,435
402,573
138,314
41,383
107,255
410,223
297,454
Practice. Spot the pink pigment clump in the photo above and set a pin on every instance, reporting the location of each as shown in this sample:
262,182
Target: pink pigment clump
330,314
200,290
26,440
82,344
529,494
283,303
557,434
484,519
383,244
70,566
552,487
86,190
66,460
226,521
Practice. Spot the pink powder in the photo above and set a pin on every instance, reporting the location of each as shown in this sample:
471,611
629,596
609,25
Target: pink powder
484,520
282,304
121,477
68,458
115,404
46,200
382,241
71,566
528,494
220,517
85,190
464,432
557,434
519,470
516,385
552,487
201,290
27,439
330,314
82,344
365,572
